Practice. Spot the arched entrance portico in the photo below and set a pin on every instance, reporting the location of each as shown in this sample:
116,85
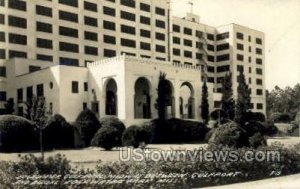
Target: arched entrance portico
170,102
187,101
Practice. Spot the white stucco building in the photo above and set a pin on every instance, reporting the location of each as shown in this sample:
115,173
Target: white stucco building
50,41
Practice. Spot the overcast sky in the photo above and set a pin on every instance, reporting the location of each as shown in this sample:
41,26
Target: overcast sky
279,19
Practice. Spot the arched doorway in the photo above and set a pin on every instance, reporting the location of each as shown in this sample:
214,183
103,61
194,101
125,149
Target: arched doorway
187,101
170,102
142,99
111,98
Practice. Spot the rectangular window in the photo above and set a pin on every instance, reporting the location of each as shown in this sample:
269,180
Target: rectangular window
225,68
84,105
29,93
249,38
145,7
2,19
160,36
145,33
68,47
240,35
176,40
258,41
2,3
128,29
109,53
259,106
109,11
240,68
43,27
210,47
258,51
128,43
211,58
90,6
92,36
160,11
240,46
259,71
68,61
70,32
34,68
176,52
210,37
90,21
44,43
160,24
145,20
17,4
160,48
109,25
44,57
109,39
199,33
211,69
249,49
2,71
17,54
259,81
20,95
188,43
259,61
222,47
2,54
2,36
240,57
95,107
128,3
211,80
187,31
63,15
249,59
45,11
85,86
40,90
17,39
73,3
176,28
75,87
199,56
91,50
224,57
127,16
2,96
222,36
199,45
145,46
188,54
17,22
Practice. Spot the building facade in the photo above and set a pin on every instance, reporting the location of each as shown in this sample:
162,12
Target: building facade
77,32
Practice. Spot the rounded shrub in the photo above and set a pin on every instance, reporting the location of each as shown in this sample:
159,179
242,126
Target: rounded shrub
131,136
253,127
107,138
58,133
229,134
87,125
257,140
17,134
254,116
114,122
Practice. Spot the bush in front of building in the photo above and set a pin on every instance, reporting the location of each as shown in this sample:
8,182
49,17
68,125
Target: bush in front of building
87,124
229,134
17,134
253,116
257,140
107,138
131,136
253,127
114,122
58,133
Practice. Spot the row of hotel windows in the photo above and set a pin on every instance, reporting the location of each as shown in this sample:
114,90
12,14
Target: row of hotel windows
240,36
21,5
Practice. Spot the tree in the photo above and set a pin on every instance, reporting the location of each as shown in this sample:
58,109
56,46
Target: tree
243,99
161,96
39,115
227,102
204,103
9,106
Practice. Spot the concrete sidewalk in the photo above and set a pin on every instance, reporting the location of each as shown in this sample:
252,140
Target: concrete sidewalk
284,182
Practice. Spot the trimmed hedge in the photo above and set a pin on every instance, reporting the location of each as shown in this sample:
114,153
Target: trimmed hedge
17,134
112,121
107,138
131,136
58,133
87,125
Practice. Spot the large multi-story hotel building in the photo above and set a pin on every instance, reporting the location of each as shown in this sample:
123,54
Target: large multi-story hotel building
49,44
